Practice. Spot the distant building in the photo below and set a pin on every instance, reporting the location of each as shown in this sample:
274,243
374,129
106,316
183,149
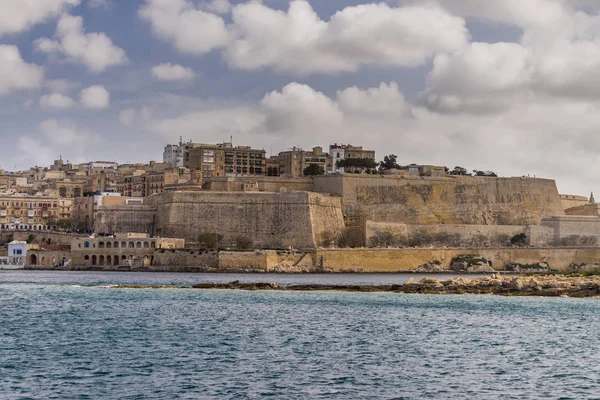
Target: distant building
225,160
17,252
293,162
344,151
432,170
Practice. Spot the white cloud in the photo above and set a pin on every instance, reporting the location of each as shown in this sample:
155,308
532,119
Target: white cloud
299,41
383,100
219,6
95,50
191,29
56,100
53,138
16,73
172,72
95,97
132,117
20,15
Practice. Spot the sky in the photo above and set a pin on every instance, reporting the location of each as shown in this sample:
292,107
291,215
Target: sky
502,85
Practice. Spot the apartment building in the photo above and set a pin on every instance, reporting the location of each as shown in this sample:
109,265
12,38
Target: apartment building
29,212
343,151
294,161
225,160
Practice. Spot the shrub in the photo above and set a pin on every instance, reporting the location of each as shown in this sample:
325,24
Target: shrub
519,240
383,239
210,241
243,243
351,237
419,238
326,239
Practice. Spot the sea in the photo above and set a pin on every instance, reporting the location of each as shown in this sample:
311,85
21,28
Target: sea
72,335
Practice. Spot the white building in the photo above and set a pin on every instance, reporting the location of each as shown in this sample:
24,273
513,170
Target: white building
17,252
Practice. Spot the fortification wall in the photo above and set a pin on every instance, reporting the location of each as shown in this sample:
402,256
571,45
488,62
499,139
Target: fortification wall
40,237
260,183
451,200
402,260
267,219
570,200
465,234
584,210
205,260
566,226
125,218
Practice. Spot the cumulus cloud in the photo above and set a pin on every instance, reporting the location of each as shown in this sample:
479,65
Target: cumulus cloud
172,72
189,28
219,6
299,41
17,73
95,97
56,100
95,50
383,100
20,15
52,138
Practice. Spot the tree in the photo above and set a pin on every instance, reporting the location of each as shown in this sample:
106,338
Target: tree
314,169
210,241
519,240
484,173
389,162
356,165
459,171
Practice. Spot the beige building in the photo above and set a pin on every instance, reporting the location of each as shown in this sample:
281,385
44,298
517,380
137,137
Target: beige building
432,170
130,249
225,160
339,152
18,211
293,162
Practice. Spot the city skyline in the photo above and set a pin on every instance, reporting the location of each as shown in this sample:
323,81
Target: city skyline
495,86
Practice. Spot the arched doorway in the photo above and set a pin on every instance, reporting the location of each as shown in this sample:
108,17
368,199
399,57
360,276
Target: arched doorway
101,260
94,260
116,260
33,260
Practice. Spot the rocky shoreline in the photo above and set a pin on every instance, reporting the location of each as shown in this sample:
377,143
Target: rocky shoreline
539,285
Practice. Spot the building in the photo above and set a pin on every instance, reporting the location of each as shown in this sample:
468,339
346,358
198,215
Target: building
17,252
344,151
432,170
293,162
19,211
130,249
225,160
177,155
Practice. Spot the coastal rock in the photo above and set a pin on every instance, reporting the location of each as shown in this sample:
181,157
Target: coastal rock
432,267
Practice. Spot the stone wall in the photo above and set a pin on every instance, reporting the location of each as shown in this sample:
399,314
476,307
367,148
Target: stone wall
46,258
403,260
259,183
570,201
204,260
584,210
566,226
40,237
125,218
450,200
466,233
269,220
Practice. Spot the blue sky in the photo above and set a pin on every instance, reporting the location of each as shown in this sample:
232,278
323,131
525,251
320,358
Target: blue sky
499,85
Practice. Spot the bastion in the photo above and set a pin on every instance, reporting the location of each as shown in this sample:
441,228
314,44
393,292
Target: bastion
450,200
267,219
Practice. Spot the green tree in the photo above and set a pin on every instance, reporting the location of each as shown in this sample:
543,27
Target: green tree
313,169
459,171
519,240
389,162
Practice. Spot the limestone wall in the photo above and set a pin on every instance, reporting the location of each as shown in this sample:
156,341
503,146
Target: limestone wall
465,233
584,210
570,200
267,219
399,260
204,260
125,218
566,226
45,258
40,237
247,260
259,183
451,200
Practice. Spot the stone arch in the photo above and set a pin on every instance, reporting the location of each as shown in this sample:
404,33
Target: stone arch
101,260
33,260
123,245
146,245
124,258
101,245
86,244
138,245
43,260
116,245
94,260
109,245
131,245
116,260
108,260
146,261
87,258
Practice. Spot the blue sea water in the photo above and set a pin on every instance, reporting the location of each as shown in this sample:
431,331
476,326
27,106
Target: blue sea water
64,337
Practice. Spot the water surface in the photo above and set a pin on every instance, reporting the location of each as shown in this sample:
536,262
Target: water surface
65,340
